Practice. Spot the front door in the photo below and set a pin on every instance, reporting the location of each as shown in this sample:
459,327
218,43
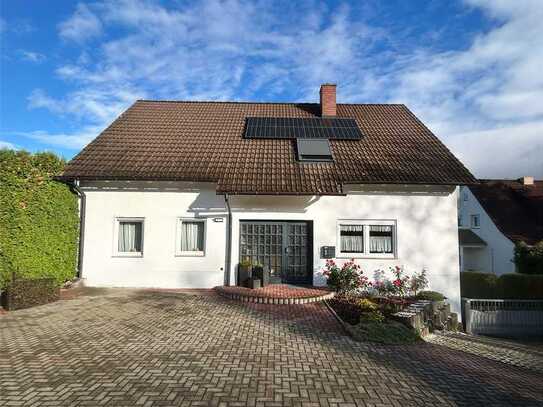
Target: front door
283,247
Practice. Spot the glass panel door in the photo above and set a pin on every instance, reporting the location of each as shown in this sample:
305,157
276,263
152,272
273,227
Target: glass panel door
281,247
297,268
263,243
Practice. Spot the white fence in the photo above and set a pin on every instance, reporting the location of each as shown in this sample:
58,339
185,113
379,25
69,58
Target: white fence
508,318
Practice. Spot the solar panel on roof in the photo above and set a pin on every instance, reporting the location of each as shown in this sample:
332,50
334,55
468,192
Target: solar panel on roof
296,128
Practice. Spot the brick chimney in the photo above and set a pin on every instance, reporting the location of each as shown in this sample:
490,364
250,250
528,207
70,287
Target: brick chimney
527,180
328,99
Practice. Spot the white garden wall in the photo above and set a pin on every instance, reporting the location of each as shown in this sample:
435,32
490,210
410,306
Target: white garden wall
425,218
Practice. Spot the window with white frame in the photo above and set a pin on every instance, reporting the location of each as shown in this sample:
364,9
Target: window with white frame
475,221
129,237
367,238
351,238
190,237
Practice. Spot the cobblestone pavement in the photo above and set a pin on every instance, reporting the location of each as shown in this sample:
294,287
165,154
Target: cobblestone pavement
517,354
140,348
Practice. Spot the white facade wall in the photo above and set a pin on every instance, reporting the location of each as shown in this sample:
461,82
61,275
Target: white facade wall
497,256
160,207
426,219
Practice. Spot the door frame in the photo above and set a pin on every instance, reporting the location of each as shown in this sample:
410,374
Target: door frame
309,244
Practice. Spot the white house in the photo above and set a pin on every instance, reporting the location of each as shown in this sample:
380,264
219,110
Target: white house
493,216
175,194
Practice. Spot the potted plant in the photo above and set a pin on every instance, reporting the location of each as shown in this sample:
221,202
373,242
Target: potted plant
261,273
244,272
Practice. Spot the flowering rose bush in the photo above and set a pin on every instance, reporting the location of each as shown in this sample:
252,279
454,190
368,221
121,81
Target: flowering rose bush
401,285
418,282
401,281
345,279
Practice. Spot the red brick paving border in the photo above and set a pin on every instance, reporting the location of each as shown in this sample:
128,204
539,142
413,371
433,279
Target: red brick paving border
282,294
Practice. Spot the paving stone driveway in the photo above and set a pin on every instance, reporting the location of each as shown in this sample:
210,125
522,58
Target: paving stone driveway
141,348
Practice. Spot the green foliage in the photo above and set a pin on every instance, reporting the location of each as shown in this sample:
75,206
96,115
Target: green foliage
38,218
529,259
419,281
28,293
516,286
390,332
367,305
371,316
246,262
345,279
430,296
474,284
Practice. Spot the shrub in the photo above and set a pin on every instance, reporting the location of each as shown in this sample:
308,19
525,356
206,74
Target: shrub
23,293
520,286
400,282
390,332
430,296
38,218
372,316
367,305
346,279
401,285
350,308
529,259
418,282
474,284
508,286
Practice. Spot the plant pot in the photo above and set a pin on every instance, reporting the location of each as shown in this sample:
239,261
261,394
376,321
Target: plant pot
254,283
244,274
262,274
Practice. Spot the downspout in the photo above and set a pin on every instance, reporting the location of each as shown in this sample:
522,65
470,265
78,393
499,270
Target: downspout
228,241
74,186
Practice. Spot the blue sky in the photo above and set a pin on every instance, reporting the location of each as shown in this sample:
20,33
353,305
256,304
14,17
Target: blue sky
470,69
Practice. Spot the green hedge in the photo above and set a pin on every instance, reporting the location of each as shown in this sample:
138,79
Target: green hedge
22,293
474,284
38,218
529,259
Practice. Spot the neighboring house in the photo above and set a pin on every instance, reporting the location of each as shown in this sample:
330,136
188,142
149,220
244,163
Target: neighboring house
175,194
493,216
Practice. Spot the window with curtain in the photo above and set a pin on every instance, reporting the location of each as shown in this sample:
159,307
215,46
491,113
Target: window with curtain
381,238
361,238
352,238
130,237
192,234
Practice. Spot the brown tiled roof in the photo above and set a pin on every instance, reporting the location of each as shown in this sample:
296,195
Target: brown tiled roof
203,141
515,209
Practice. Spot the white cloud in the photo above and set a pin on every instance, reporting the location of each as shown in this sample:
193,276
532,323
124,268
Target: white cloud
81,26
32,56
7,145
3,25
481,99
73,141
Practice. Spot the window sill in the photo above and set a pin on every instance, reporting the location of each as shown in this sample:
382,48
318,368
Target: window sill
190,254
132,255
367,256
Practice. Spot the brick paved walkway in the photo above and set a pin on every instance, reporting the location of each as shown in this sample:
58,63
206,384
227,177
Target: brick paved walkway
141,348
510,352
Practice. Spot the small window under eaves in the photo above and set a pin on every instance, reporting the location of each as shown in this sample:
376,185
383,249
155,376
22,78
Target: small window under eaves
313,150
